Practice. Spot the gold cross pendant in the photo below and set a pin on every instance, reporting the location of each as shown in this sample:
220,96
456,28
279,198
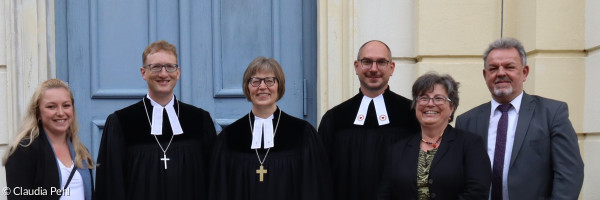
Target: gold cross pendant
261,171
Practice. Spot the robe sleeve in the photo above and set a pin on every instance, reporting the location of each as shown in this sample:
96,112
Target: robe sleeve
326,133
385,189
218,169
110,171
209,138
316,175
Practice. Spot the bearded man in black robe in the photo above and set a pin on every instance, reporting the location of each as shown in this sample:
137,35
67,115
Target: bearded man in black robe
159,147
359,132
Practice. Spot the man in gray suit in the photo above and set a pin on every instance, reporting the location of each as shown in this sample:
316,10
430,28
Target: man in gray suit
531,142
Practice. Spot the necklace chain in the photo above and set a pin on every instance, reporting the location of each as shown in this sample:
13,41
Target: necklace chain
171,140
274,132
432,143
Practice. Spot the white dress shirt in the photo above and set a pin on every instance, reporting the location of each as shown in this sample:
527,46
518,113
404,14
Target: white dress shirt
513,118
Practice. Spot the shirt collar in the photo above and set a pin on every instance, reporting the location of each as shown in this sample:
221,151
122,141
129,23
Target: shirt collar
516,103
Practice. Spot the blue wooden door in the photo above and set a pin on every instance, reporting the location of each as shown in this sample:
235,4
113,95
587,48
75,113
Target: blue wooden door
99,45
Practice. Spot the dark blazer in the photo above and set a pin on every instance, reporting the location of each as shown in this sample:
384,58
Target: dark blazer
545,161
33,167
460,169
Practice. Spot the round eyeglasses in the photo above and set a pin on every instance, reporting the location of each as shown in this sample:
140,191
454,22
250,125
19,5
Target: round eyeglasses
424,100
158,67
367,63
269,81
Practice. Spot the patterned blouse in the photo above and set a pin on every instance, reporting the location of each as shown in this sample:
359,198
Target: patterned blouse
423,165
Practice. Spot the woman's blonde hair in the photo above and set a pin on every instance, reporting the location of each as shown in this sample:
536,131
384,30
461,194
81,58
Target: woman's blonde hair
29,129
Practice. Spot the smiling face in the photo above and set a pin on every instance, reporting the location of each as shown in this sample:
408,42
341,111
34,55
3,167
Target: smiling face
263,96
431,114
56,111
505,74
160,84
373,79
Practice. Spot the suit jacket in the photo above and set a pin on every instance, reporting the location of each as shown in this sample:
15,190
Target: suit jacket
545,161
36,166
460,168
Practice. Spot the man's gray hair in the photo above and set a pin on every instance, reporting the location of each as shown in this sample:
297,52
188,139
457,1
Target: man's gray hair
506,43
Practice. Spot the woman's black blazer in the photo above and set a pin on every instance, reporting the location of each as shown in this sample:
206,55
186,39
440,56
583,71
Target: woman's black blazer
460,169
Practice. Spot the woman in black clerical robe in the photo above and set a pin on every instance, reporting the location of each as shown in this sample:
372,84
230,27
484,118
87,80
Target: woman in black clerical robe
441,162
268,154
46,156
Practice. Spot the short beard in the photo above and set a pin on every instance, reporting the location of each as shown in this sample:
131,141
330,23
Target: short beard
503,92
380,88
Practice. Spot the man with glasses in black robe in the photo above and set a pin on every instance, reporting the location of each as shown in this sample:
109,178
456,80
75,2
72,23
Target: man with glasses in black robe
359,132
159,147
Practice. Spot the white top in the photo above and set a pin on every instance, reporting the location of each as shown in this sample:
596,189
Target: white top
157,117
75,190
380,110
263,126
513,118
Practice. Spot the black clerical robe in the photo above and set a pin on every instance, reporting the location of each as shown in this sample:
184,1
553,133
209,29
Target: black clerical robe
357,153
129,161
296,166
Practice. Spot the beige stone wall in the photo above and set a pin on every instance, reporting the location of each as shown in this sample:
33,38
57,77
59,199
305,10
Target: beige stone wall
452,35
343,26
591,114
561,37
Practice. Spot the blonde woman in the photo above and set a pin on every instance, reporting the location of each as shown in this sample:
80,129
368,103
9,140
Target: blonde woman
46,160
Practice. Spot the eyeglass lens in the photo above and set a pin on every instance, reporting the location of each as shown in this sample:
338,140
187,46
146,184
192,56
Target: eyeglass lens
436,100
158,67
369,63
269,81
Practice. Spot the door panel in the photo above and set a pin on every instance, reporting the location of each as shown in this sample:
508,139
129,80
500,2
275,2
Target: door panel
100,43
243,31
112,25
